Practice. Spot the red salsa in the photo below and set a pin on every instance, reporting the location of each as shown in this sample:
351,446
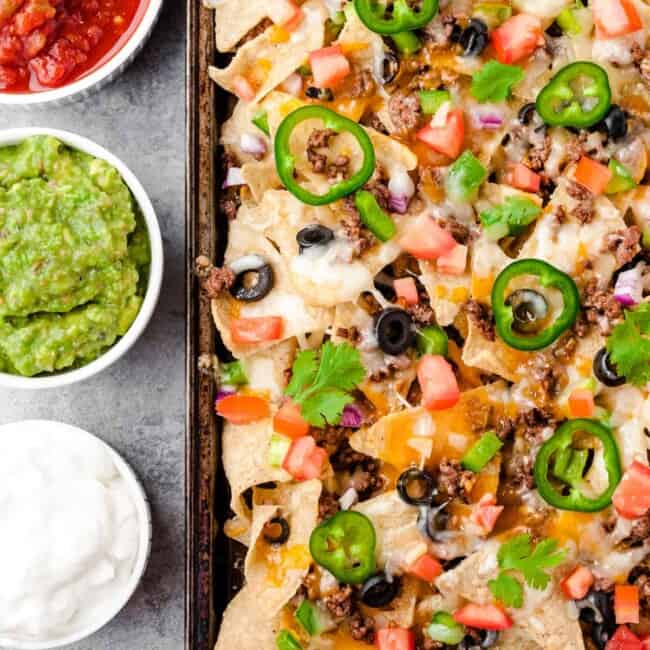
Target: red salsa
50,43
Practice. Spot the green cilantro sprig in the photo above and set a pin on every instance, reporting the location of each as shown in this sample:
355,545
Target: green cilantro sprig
510,217
494,81
320,384
517,554
629,345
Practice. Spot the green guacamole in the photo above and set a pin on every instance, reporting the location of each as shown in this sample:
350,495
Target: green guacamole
74,257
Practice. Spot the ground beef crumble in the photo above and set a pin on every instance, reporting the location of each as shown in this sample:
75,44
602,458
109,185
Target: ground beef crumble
460,232
340,604
378,187
640,531
642,61
328,505
624,244
584,210
519,470
363,84
454,481
600,307
548,376
564,349
374,122
354,229
404,110
482,318
422,314
214,280
539,153
364,471
319,139
362,628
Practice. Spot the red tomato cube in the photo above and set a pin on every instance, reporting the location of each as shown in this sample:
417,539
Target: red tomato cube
426,567
329,66
289,421
524,179
438,383
256,330
305,460
624,639
447,140
454,261
615,18
394,638
407,290
592,175
632,496
626,603
483,617
517,38
577,584
426,240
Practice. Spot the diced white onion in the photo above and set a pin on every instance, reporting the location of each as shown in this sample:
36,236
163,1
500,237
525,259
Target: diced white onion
234,178
293,84
348,499
253,144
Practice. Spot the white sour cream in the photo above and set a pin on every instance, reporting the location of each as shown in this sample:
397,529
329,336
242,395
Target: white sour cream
75,533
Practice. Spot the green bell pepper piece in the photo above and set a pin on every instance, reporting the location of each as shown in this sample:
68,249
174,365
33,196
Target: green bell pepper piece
286,641
493,13
481,452
548,276
622,180
568,22
579,95
432,100
233,374
407,43
373,217
345,546
278,449
432,340
567,463
311,618
445,629
403,18
286,163
261,121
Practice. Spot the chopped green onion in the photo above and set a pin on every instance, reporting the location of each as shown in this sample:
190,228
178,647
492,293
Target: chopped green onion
465,177
493,13
233,374
407,43
278,449
311,618
482,452
432,340
374,218
286,641
261,121
621,181
568,22
445,629
432,100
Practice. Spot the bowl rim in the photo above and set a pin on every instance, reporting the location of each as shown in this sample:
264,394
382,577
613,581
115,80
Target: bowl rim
10,137
105,71
145,536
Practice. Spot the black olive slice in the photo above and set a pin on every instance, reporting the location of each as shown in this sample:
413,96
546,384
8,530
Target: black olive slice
378,591
314,235
390,68
486,639
433,520
395,331
605,370
474,38
526,113
416,487
529,309
324,94
254,278
276,531
615,123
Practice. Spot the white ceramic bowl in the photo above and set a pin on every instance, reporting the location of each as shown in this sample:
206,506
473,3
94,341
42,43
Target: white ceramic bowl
143,509
63,378
99,78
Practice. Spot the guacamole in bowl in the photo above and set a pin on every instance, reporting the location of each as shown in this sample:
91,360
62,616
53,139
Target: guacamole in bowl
74,257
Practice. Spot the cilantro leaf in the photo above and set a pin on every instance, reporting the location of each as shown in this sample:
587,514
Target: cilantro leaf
518,554
494,81
507,590
321,386
629,347
511,217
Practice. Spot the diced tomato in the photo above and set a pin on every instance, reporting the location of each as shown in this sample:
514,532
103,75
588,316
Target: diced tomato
242,409
626,603
8,8
447,139
243,88
426,240
426,567
329,66
517,38
305,460
454,261
8,77
577,584
581,403
592,175
286,13
632,496
256,330
524,178
645,641
483,617
33,15
394,638
615,18
289,421
437,382
624,639
487,512
407,290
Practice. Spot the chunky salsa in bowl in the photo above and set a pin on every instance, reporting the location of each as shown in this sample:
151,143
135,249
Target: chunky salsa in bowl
55,48
80,258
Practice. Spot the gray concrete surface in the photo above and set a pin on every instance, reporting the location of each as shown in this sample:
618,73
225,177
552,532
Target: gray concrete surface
138,405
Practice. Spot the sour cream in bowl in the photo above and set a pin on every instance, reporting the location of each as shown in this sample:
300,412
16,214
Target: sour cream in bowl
76,534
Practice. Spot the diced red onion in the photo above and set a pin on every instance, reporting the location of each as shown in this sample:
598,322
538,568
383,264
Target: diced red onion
233,178
629,287
402,189
293,84
253,144
487,116
352,417
224,391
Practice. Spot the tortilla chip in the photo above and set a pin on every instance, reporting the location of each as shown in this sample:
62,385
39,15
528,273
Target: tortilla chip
233,19
447,293
261,177
354,36
252,619
416,436
283,300
267,64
